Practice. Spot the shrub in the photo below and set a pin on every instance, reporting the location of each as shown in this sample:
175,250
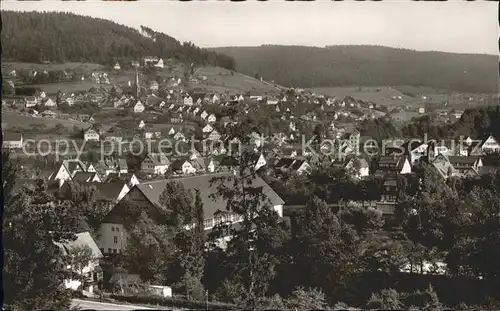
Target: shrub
303,299
388,299
231,291
271,303
174,302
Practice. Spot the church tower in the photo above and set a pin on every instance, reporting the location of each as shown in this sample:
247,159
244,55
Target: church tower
137,86
431,151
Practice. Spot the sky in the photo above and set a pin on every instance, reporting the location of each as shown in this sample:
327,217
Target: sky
456,26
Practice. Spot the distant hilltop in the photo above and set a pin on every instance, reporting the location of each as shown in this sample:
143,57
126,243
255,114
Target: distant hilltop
350,65
38,37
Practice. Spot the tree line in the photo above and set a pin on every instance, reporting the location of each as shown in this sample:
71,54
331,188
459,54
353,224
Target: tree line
368,66
64,37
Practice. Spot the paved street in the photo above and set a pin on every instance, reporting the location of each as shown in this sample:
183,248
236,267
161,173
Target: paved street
93,305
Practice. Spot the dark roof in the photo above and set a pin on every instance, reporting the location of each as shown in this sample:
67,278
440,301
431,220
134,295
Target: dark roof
484,170
457,160
177,164
73,165
109,191
152,190
123,177
284,163
84,176
82,239
296,165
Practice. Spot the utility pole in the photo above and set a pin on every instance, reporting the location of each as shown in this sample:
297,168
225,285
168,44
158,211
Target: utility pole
206,299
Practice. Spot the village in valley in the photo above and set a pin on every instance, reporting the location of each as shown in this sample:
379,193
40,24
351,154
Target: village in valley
156,164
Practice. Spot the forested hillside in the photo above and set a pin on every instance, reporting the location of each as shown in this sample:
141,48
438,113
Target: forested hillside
301,66
64,37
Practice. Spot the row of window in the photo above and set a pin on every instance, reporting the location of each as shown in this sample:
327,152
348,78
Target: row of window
111,250
117,229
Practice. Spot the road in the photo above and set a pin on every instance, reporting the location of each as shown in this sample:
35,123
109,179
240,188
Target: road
94,305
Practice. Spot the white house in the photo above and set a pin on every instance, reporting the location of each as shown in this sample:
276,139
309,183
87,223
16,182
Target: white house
261,161
179,136
159,64
183,166
211,118
117,66
141,124
188,100
91,135
171,132
90,269
138,107
49,103
155,163
359,167
214,135
204,115
207,129
490,144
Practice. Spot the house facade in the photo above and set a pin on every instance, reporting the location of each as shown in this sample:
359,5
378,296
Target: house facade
90,271
112,233
91,135
138,107
490,145
12,141
155,163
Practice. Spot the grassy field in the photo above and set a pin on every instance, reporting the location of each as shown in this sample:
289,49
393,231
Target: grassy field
383,95
83,67
14,119
220,79
379,95
69,87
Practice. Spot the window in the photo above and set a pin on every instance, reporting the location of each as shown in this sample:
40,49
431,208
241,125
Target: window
109,250
117,229
115,239
112,228
114,250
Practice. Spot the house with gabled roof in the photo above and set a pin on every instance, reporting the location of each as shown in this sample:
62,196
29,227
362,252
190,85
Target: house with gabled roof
463,164
91,272
182,167
91,135
359,168
490,144
214,135
211,118
187,100
84,177
155,163
146,196
159,63
138,107
397,165
129,178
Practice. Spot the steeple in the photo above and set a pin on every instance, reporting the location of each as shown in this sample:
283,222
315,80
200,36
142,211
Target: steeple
137,87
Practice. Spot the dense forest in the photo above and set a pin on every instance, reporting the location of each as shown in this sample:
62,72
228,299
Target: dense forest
63,37
476,123
301,66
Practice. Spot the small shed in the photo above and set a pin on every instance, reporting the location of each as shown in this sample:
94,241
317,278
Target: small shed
160,290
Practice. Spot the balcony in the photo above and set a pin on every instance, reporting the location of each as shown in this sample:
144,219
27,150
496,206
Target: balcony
229,219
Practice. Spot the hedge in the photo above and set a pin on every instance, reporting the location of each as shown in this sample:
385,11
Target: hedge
174,302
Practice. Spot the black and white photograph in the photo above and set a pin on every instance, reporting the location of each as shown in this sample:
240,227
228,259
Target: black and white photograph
253,155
